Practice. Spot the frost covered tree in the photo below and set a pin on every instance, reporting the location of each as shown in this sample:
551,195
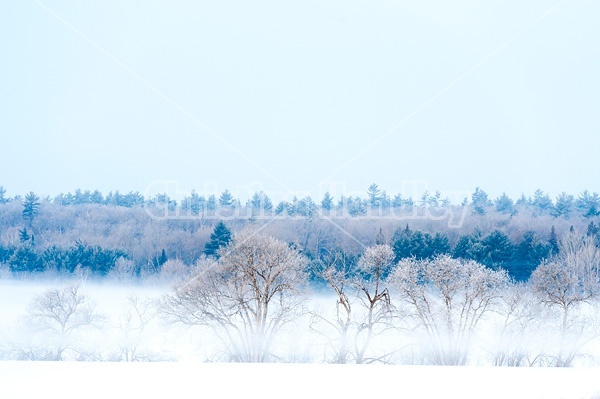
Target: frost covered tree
448,298
245,297
327,202
374,195
133,325
373,268
260,202
480,201
60,315
226,199
31,207
565,282
519,328
504,204
335,268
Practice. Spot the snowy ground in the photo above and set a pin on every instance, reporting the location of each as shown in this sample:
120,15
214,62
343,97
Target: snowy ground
189,377
182,380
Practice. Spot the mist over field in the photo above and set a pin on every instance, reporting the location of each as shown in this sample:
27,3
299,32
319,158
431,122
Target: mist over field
127,326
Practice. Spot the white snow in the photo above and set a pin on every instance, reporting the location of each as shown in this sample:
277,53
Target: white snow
182,380
190,377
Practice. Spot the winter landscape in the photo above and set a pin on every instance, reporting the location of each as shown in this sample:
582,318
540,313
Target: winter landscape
312,199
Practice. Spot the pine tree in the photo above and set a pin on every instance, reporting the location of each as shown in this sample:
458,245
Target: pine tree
504,204
96,197
380,238
163,258
553,241
563,206
24,236
327,202
480,201
592,229
281,208
31,207
220,237
211,204
260,201
3,199
374,194
226,199
542,201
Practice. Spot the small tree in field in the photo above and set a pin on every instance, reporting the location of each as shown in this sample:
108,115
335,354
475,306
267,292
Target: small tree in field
59,315
245,297
564,283
133,325
448,297
335,269
373,268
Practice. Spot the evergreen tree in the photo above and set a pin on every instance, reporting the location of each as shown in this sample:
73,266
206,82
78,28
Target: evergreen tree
504,204
529,253
470,246
96,197
589,204
398,201
211,203
31,207
542,202
480,201
306,207
327,202
194,204
163,258
24,236
3,198
440,245
592,229
260,201
281,208
380,238
24,259
374,195
220,237
408,244
523,201
498,249
226,199
424,201
563,206
553,241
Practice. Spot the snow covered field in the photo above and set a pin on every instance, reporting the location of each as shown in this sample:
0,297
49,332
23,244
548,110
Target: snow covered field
191,377
188,379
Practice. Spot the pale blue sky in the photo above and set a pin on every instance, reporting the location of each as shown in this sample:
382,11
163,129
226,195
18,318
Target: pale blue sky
283,95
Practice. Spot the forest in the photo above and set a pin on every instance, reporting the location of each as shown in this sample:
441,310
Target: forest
128,235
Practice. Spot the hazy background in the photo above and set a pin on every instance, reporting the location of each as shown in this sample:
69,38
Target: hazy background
280,96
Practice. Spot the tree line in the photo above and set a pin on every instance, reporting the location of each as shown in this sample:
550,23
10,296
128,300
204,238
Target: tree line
564,205
42,235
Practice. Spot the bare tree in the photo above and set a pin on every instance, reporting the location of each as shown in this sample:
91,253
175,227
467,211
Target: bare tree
519,328
246,296
335,269
564,283
59,314
449,297
133,325
373,268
